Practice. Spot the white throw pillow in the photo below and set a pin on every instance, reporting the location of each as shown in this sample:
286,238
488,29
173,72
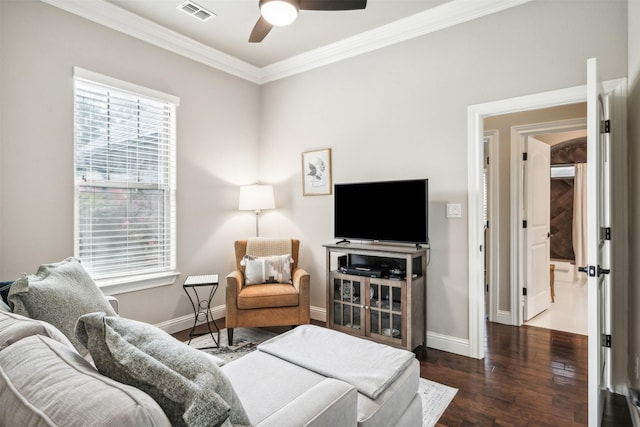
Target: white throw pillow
269,269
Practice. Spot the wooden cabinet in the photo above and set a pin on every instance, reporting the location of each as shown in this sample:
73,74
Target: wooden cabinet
377,292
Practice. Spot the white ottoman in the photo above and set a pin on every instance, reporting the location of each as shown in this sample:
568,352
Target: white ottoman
386,377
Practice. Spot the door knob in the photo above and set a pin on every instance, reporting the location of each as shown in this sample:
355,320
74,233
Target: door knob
584,269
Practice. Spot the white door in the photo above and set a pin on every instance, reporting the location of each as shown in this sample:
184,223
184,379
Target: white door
598,246
537,184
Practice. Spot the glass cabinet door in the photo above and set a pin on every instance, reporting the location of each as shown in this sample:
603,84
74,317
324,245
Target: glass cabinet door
385,309
347,304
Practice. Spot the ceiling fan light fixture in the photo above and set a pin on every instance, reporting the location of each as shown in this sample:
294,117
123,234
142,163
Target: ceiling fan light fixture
279,12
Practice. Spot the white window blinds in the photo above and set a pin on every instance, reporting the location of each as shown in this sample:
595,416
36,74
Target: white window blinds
125,177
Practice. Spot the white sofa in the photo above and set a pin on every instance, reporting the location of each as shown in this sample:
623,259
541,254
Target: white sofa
116,371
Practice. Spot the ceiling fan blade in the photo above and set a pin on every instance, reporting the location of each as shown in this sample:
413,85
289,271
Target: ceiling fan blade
260,30
332,4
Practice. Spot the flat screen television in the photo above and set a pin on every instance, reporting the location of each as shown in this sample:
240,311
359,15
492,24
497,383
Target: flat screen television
388,211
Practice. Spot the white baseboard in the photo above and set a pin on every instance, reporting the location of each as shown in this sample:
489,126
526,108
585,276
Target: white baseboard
318,313
186,322
504,317
448,343
434,340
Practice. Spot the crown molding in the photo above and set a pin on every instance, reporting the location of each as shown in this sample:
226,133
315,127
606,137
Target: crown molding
446,15
114,17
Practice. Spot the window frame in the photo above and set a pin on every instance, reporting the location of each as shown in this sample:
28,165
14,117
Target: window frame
128,282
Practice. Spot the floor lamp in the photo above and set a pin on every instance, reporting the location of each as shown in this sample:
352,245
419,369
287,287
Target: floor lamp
256,197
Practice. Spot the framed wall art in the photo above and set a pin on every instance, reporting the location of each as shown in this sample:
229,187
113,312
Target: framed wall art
316,172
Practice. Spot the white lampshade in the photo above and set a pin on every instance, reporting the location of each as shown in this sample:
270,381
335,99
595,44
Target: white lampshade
256,197
278,12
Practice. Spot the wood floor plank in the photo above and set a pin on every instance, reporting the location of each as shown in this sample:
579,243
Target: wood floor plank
529,377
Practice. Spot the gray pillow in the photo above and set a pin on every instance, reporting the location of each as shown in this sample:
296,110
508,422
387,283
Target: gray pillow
187,383
14,327
59,293
45,383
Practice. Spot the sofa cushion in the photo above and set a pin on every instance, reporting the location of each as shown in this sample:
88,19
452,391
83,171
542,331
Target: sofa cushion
278,393
46,383
59,293
14,327
268,269
186,383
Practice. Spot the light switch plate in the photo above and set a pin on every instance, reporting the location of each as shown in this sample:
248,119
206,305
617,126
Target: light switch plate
454,210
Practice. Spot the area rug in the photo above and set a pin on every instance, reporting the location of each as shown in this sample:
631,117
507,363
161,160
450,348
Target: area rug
245,340
435,399
435,396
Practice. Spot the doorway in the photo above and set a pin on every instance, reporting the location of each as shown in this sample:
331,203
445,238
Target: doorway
554,128
509,302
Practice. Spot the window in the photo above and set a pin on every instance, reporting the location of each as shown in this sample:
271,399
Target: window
125,179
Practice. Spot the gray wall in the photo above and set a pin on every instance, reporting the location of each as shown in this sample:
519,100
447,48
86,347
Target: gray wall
217,133
401,112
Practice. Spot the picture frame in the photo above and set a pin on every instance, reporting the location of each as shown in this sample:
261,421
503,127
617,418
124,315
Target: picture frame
316,172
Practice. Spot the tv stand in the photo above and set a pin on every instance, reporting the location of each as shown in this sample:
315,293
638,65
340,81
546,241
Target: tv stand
343,241
390,309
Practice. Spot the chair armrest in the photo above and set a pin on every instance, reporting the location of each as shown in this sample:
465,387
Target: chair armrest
235,281
300,279
113,301
329,403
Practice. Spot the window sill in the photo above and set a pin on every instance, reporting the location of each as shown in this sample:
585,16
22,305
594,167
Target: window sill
126,284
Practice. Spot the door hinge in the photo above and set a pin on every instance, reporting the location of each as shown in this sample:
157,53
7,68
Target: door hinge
606,340
524,292
524,223
487,287
524,156
605,233
487,160
605,126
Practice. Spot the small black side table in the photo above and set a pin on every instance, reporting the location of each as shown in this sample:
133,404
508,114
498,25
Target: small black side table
202,307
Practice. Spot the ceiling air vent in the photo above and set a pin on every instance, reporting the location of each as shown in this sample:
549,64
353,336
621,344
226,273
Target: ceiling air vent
196,11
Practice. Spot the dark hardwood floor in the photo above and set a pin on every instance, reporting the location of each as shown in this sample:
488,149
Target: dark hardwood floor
529,377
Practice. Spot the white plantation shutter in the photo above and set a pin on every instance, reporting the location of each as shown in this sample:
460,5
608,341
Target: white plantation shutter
125,177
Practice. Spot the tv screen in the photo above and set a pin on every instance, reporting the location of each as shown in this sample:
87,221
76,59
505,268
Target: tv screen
392,211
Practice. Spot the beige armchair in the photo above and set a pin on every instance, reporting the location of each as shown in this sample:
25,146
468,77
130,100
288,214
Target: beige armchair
271,303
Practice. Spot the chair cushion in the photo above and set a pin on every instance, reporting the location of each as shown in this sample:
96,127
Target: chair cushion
269,269
14,327
187,383
59,293
270,295
46,383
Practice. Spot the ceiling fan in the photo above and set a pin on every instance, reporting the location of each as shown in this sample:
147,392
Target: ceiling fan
284,12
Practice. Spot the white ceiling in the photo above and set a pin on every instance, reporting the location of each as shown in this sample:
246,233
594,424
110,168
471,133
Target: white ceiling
229,30
314,39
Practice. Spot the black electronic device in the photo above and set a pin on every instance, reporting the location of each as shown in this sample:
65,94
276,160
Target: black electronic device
364,211
364,270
